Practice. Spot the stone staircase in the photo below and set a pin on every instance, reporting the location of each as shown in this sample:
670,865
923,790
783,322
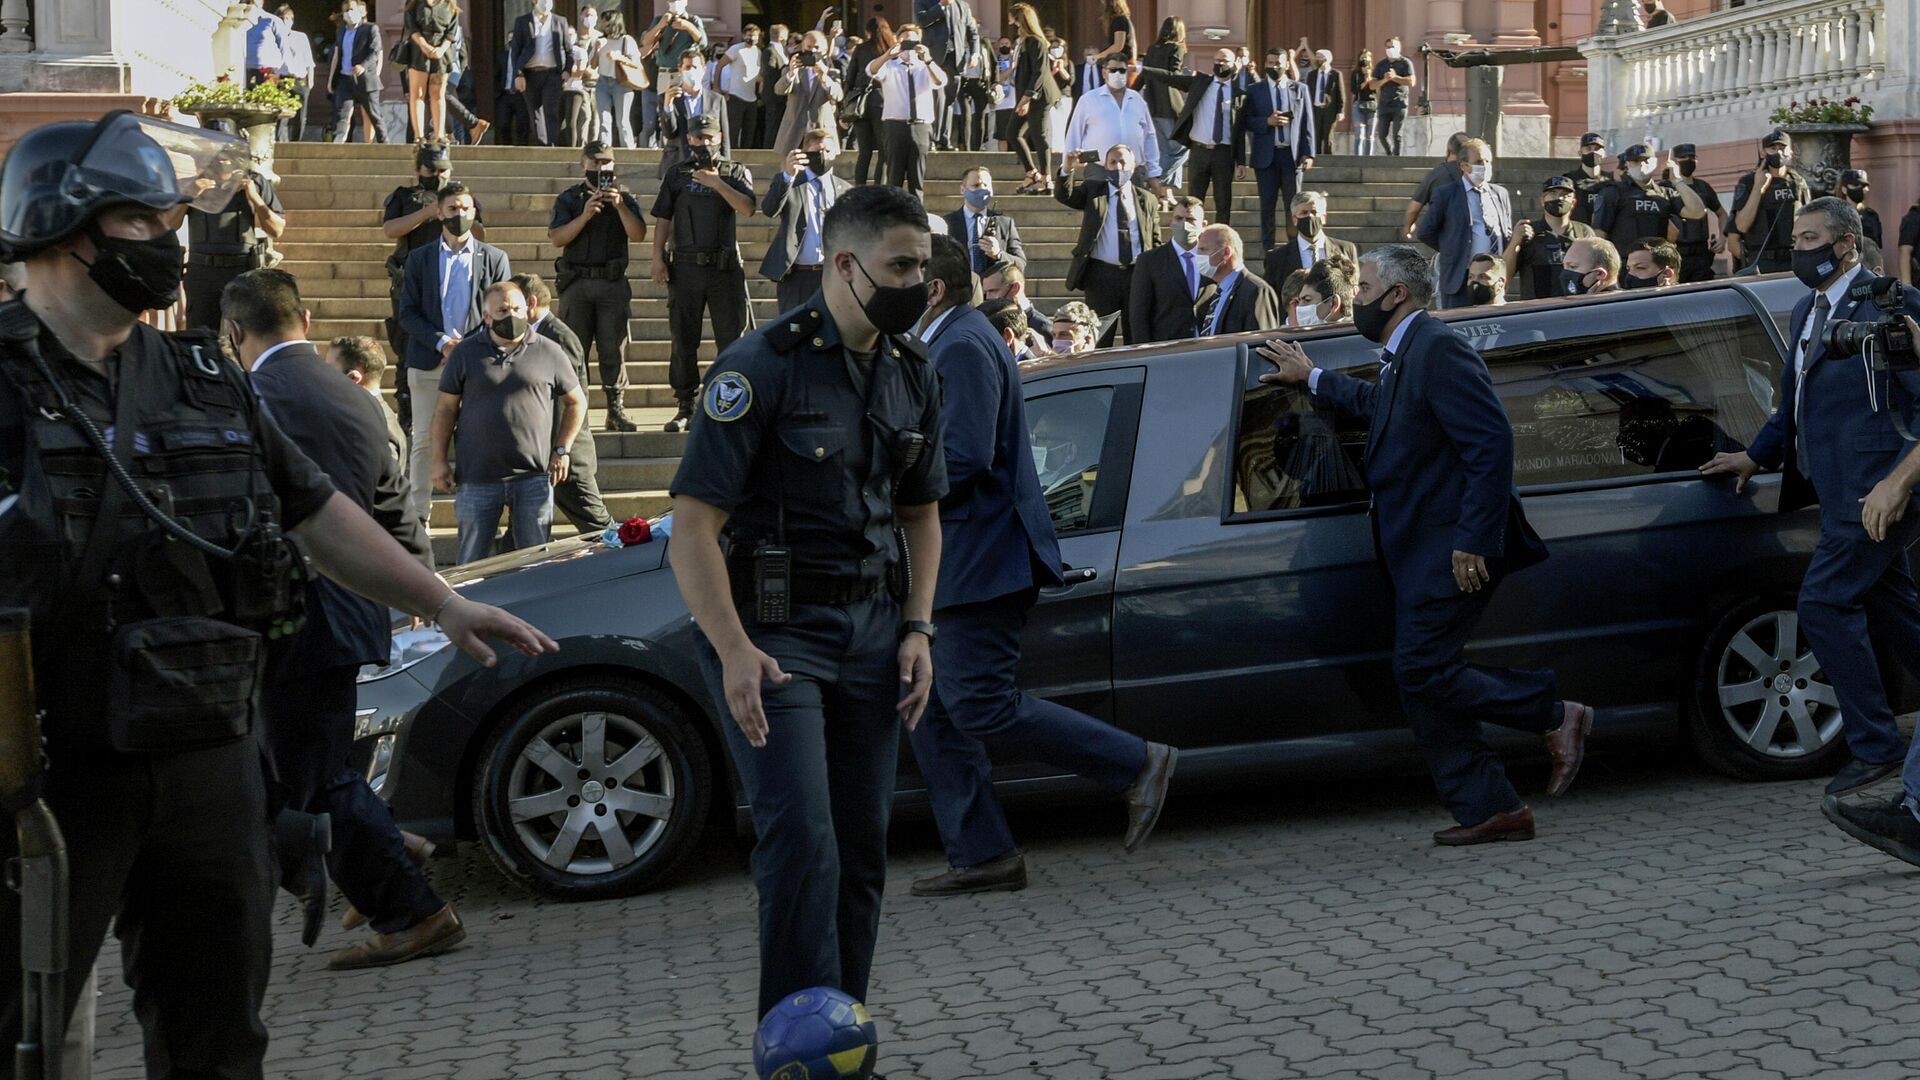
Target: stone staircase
333,195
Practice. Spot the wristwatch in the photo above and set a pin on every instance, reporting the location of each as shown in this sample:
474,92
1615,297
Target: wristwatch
562,451
917,626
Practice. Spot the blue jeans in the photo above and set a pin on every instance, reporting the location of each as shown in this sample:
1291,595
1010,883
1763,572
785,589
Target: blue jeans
614,103
1173,155
477,507
1363,130
649,132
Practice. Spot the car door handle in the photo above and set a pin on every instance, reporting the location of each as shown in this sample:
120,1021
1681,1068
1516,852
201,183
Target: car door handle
1077,575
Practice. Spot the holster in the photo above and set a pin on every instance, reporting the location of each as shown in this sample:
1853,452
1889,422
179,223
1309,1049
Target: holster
182,682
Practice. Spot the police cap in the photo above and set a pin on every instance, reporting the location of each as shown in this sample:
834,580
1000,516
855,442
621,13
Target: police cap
1636,152
1554,182
705,124
1853,176
1777,137
432,155
1684,150
1592,138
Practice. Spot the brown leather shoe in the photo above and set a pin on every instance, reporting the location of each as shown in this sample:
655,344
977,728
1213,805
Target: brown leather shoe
419,849
1512,825
1567,745
1005,874
431,936
1148,793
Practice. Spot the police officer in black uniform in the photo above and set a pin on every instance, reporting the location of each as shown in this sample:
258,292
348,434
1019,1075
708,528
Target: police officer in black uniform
1592,185
593,221
1854,188
696,255
1649,202
411,220
1764,206
158,594
1539,246
224,244
817,445
1697,243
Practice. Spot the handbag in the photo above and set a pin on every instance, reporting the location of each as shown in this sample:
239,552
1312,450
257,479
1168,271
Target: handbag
629,72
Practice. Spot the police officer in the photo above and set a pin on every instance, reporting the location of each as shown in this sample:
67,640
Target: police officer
817,443
1764,206
1697,243
1538,247
1592,187
1649,202
696,255
152,769
411,220
1854,189
228,242
592,222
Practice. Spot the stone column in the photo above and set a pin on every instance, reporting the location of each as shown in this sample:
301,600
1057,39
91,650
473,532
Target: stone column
75,51
14,18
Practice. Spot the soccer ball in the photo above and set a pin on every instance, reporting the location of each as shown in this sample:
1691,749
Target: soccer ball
817,1034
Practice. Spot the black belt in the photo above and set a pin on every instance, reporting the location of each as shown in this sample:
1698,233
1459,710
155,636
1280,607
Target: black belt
600,271
703,258
805,266
222,261
805,588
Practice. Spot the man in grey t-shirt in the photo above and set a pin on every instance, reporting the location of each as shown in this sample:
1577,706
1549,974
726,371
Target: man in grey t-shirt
497,392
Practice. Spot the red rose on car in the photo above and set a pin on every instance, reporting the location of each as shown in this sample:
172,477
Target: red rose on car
635,531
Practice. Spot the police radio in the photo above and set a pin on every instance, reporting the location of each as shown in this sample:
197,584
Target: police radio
773,584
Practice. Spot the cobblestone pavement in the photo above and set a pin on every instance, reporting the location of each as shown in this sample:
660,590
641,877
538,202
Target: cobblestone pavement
1667,923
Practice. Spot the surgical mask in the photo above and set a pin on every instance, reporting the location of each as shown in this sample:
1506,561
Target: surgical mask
1590,160
1309,226
139,275
1186,233
1223,70
1305,315
1634,281
458,225
1815,268
1059,455
1371,319
677,7
509,328
1116,80
353,16
1209,265
1646,170
1393,52
1479,174
893,309
817,162
1775,159
589,21
1056,52
978,198
1687,165
543,7
432,183
1063,345
1558,207
1480,293
692,78
1573,282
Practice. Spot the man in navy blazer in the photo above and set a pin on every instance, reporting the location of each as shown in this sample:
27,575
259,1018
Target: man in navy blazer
799,199
998,552
1448,528
353,74
538,54
437,317
1834,433
1469,216
1278,149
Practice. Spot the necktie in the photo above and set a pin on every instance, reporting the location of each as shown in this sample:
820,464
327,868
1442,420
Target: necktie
1386,359
1208,307
913,98
1819,320
1193,275
979,231
1220,116
1273,91
1123,223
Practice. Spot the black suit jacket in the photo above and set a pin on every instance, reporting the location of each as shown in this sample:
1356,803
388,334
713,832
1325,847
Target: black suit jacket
1198,87
1284,258
520,46
1090,198
367,53
1166,95
341,428
1252,306
1336,89
1000,226
1160,307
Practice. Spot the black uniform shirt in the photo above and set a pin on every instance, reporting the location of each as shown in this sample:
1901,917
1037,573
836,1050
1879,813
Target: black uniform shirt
1773,222
1693,234
1634,213
1870,224
702,220
230,230
1538,265
603,239
782,412
1590,193
411,200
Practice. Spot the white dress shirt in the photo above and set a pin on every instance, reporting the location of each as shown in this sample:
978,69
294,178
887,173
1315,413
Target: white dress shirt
1106,246
1099,123
543,48
896,77
1393,346
262,358
299,55
453,306
1206,114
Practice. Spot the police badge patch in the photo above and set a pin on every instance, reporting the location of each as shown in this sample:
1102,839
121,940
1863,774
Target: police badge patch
728,396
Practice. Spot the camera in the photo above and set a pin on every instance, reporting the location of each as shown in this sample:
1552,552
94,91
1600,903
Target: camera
1886,337
807,57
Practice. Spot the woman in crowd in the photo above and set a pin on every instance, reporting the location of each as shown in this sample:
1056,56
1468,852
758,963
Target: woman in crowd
1062,110
1005,66
1168,54
1364,103
865,93
1034,94
429,26
1120,26
617,58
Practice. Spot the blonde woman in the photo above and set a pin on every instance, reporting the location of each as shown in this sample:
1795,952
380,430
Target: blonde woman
1034,92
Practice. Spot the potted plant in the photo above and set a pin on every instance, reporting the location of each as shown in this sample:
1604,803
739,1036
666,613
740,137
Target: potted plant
253,111
1823,131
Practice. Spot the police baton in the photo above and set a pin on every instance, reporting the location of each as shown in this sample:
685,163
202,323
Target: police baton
39,873
746,289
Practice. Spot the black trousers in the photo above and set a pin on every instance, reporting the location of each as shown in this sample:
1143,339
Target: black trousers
543,101
1386,126
597,310
515,127
309,732
908,142
578,496
1696,262
1211,167
202,286
1028,134
175,847
796,288
692,292
741,115
872,149
349,97
1107,288
1324,119
1277,183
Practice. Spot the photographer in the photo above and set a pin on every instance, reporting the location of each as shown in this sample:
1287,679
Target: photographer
1836,429
1764,207
592,223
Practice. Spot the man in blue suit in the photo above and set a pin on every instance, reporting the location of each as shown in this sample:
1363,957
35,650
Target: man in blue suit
1448,527
1000,551
1835,435
1469,216
538,55
1276,122
442,294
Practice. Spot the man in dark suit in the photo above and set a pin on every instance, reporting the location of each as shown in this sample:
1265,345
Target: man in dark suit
1233,299
1119,219
951,34
1468,218
1834,433
802,192
1276,119
1309,243
364,364
578,496
990,236
1327,89
353,75
538,55
1167,283
308,696
1086,75
1000,552
1448,528
685,101
442,295
1208,126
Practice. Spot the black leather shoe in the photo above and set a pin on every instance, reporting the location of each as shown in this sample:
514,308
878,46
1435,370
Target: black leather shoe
1878,823
1148,793
1005,874
1857,775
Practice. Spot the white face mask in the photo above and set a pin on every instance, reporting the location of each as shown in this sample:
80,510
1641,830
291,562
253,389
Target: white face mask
677,7
1393,52
1116,80
1480,174
1646,170
543,8
1186,233
1056,52
1307,315
692,78
589,21
1210,267
1063,345
353,16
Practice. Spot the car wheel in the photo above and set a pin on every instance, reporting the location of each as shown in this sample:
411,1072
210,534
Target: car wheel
1763,708
595,789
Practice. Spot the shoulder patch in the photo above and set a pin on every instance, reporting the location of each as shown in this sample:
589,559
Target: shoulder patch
728,397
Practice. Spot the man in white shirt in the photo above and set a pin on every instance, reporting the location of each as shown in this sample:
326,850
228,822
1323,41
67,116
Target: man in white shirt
539,54
908,77
1113,115
299,61
740,73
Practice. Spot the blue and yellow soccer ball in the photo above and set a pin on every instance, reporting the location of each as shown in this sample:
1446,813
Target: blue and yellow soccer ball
817,1034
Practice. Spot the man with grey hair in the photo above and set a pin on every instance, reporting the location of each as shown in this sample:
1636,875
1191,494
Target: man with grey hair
1836,435
1309,243
1075,328
1448,527
1234,299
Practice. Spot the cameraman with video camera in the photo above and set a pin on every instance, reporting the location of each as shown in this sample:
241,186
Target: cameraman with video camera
1843,425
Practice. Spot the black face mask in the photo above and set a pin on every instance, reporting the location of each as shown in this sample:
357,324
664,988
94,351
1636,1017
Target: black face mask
1371,319
1857,194
817,162
459,225
1223,71
1573,282
1309,226
893,309
431,183
1591,161
1775,159
1480,293
1635,281
1815,268
1558,207
510,328
1273,71
1006,50
139,275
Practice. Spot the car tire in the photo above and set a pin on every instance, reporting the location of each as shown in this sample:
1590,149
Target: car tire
1761,709
585,816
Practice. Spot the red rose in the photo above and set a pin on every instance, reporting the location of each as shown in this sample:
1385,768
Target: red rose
635,531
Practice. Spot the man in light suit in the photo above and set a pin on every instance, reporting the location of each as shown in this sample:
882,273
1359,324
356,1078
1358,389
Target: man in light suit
1234,299
990,235
1167,283
353,75
538,55
1834,434
1468,218
442,296
802,192
994,522
687,100
812,91
1119,219
1309,243
307,698
1448,528
1276,120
